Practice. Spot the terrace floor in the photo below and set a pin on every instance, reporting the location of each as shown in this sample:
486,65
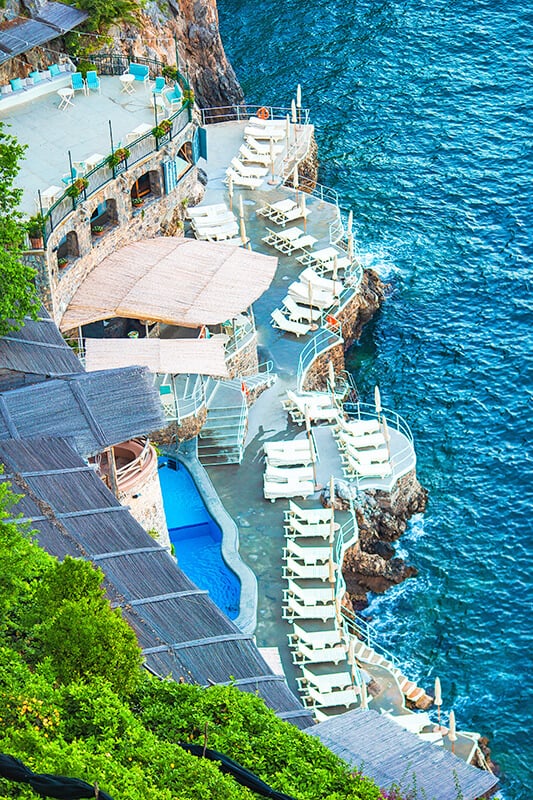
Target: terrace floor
240,487
83,128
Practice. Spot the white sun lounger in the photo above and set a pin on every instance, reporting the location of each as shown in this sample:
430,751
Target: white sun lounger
299,313
206,211
367,470
310,551
266,123
345,697
310,590
288,247
217,232
262,148
279,320
247,155
297,528
288,454
293,566
241,180
327,678
309,515
302,653
359,427
257,132
273,490
293,608
317,406
212,221
375,455
316,633
275,208
361,442
288,474
325,284
248,172
316,298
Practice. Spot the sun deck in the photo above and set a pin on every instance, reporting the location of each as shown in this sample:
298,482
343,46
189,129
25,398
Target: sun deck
84,129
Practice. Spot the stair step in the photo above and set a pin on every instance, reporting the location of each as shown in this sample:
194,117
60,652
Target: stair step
415,694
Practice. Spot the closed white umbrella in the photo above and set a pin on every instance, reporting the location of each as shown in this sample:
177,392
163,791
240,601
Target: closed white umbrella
438,697
272,179
230,192
288,132
293,112
295,180
298,96
310,440
364,695
335,267
331,377
351,651
386,433
242,226
452,735
350,236
303,209
377,400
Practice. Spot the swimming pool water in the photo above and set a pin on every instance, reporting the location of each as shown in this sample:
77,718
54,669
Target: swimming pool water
197,539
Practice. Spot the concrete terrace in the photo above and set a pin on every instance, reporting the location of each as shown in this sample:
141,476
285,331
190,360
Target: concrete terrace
240,487
83,128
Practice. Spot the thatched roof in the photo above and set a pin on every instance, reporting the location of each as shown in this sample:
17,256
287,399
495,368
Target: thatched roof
172,356
35,352
181,631
95,410
391,755
173,280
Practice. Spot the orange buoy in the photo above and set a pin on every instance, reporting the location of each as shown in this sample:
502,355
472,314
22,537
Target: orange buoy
332,321
263,113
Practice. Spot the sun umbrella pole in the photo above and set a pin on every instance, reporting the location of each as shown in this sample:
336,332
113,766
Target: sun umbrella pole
272,180
311,447
438,698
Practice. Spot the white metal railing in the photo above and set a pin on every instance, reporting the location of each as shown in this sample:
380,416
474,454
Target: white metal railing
324,339
177,405
401,460
241,113
243,332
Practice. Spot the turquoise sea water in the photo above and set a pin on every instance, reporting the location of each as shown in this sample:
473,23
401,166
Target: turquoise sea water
423,120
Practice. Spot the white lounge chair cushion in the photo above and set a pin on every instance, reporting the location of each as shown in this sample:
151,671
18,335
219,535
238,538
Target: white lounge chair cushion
281,321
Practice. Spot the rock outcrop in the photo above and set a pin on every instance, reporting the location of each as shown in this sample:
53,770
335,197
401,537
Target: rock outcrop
372,566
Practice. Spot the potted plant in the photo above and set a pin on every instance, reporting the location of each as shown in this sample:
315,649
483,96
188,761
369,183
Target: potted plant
35,231
162,128
137,201
121,154
188,96
62,262
76,188
97,230
171,73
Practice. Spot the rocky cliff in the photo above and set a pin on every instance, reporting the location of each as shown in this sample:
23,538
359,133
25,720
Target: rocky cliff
191,25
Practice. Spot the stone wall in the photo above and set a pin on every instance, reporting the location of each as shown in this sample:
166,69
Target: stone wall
174,432
145,502
161,214
244,361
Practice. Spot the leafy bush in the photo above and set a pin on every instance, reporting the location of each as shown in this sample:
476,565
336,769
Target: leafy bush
103,13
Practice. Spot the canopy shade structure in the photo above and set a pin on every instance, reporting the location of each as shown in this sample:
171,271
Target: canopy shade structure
50,21
176,281
172,356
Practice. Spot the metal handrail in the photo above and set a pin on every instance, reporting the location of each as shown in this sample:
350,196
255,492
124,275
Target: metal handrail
137,464
185,406
241,112
324,339
242,334
102,173
401,459
117,64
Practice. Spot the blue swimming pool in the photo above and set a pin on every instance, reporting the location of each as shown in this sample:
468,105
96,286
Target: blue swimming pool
197,538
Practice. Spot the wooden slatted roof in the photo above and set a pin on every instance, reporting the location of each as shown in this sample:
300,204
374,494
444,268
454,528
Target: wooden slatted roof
172,356
173,280
181,631
51,20
94,410
391,755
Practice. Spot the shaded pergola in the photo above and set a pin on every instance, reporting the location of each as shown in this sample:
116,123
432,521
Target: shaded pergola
171,280
170,356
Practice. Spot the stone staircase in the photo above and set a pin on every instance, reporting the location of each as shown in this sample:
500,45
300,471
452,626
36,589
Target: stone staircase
366,654
221,440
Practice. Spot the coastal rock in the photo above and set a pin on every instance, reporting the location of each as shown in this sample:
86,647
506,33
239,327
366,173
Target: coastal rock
371,565
363,307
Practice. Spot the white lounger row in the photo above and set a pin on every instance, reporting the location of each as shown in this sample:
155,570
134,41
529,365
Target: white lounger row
289,240
315,405
283,211
299,452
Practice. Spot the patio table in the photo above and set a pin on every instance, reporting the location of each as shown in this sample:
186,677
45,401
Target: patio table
66,94
127,82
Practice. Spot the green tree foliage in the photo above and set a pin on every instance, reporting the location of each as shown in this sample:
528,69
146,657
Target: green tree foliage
67,667
103,13
17,296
